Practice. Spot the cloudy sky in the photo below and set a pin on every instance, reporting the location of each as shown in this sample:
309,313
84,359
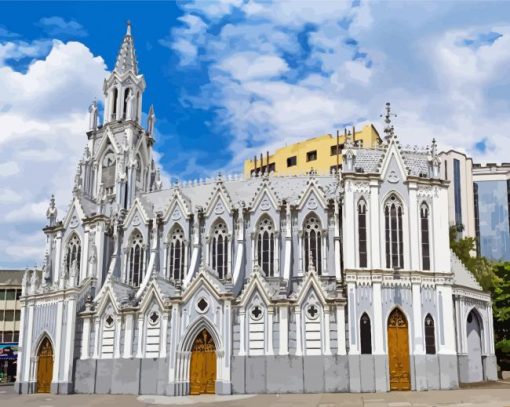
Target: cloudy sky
233,78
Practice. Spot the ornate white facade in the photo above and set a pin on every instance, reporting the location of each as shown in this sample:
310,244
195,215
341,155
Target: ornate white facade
302,284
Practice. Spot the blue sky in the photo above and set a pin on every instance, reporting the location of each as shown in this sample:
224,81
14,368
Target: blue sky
234,78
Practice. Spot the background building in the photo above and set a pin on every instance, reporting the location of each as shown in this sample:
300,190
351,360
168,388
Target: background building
322,154
491,188
10,292
479,200
457,168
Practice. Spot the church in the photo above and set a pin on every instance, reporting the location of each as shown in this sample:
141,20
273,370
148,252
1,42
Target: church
339,282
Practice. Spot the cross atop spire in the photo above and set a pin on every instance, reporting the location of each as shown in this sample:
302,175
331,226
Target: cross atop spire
126,60
388,129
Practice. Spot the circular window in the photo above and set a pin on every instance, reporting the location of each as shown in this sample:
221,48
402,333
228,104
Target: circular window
312,311
109,321
153,318
256,312
202,305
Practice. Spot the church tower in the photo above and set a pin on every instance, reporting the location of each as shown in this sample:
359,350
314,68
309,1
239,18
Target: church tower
118,161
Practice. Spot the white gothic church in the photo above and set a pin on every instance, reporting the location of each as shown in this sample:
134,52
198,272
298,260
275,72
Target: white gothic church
272,284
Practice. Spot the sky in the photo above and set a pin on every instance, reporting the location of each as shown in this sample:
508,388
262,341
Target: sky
234,78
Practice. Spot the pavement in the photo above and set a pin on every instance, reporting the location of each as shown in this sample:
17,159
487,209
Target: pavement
495,394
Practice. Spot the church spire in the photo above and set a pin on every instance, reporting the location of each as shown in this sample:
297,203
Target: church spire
126,60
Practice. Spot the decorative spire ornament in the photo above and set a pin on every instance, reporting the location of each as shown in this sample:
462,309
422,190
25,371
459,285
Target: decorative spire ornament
388,128
51,212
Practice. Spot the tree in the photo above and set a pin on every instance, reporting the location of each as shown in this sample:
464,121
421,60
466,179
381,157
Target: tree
479,266
501,311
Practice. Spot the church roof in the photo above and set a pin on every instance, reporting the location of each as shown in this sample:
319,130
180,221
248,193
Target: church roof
126,60
461,275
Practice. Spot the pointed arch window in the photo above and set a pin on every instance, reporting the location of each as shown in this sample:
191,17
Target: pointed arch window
362,232
365,335
312,244
108,171
430,335
115,97
393,232
176,254
125,102
73,256
219,249
265,246
136,259
425,238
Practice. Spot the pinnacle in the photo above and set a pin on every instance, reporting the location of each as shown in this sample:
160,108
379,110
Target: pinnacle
126,60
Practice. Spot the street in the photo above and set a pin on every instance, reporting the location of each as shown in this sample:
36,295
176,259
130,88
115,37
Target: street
487,395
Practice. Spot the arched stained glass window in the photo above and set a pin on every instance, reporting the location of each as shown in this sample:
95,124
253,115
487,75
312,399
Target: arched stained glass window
176,254
365,335
265,246
312,244
430,336
393,233
362,232
425,239
136,259
219,249
73,256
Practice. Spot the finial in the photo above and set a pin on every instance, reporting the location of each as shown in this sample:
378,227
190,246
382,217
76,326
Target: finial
128,29
51,213
388,129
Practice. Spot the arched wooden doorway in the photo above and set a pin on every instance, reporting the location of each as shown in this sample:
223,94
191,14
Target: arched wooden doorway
474,343
203,365
398,351
44,366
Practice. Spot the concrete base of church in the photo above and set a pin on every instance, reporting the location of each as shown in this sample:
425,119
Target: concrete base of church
62,388
490,367
488,364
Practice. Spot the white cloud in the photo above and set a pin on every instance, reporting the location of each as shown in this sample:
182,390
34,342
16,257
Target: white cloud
42,139
337,63
56,26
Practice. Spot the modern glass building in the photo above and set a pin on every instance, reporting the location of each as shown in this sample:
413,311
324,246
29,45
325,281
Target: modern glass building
491,187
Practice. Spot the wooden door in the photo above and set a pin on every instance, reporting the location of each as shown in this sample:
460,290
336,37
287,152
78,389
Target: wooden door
44,367
398,351
203,365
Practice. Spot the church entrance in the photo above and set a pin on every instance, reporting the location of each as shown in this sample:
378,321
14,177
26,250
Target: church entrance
474,342
398,351
203,365
44,366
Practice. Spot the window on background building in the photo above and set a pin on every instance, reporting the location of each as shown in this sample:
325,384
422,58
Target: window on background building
2,316
311,155
265,246
477,218
219,250
365,335
10,295
8,336
430,338
312,244
17,315
393,233
335,151
2,295
362,232
271,167
291,161
176,254
9,315
15,337
425,240
18,294
136,259
457,192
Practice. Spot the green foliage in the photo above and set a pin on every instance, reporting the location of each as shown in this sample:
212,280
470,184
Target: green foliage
480,267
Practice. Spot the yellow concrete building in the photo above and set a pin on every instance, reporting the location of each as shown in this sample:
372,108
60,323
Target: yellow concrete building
322,154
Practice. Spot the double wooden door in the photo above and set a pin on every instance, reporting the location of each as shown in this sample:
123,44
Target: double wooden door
398,351
44,367
203,365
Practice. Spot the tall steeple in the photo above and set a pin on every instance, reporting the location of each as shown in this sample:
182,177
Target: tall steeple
124,88
126,60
